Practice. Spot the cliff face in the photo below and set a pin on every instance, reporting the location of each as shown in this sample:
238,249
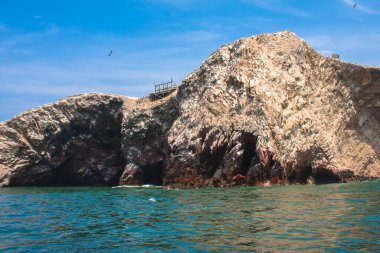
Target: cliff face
75,141
271,108
264,108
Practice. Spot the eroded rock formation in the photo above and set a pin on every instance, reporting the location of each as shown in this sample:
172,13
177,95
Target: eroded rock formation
263,109
75,141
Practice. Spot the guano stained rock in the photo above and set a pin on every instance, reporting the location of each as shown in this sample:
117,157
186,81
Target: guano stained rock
262,110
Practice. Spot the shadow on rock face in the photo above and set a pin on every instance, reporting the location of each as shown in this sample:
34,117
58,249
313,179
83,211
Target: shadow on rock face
147,174
145,142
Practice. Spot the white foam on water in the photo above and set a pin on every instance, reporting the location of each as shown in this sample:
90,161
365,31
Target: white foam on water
137,186
153,200
126,186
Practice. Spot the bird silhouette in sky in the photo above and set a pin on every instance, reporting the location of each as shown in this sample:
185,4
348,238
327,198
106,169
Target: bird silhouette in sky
110,53
355,4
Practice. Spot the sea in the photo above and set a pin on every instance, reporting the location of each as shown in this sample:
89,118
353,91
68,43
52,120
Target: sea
296,218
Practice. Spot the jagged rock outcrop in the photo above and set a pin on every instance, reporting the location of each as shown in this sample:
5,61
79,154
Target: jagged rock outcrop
75,141
304,115
263,109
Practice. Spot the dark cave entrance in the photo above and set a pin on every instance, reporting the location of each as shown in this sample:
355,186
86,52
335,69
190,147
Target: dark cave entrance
299,175
79,171
249,147
153,174
325,176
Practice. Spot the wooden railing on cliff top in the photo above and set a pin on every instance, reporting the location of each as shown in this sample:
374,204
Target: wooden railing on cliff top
162,90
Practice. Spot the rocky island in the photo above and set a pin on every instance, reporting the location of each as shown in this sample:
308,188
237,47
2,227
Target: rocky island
266,109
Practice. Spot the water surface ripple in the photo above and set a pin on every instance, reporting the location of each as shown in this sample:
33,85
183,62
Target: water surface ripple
323,218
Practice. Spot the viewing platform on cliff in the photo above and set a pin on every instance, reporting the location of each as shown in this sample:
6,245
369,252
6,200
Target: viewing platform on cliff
162,90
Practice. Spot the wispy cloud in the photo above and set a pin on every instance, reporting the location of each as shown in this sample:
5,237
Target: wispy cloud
318,41
15,40
185,5
348,46
277,6
196,36
172,38
173,2
361,7
130,70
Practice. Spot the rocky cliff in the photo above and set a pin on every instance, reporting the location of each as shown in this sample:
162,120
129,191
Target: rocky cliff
75,141
264,109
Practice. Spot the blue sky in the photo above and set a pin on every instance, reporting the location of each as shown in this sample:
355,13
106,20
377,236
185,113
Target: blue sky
52,49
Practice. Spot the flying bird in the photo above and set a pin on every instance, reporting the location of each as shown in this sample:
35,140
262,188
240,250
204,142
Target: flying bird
355,5
110,53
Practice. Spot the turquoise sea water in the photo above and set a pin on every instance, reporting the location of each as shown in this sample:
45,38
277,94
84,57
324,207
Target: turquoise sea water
323,218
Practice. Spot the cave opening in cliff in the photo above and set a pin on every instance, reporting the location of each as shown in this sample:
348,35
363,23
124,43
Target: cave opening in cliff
325,176
77,172
152,173
299,175
249,147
